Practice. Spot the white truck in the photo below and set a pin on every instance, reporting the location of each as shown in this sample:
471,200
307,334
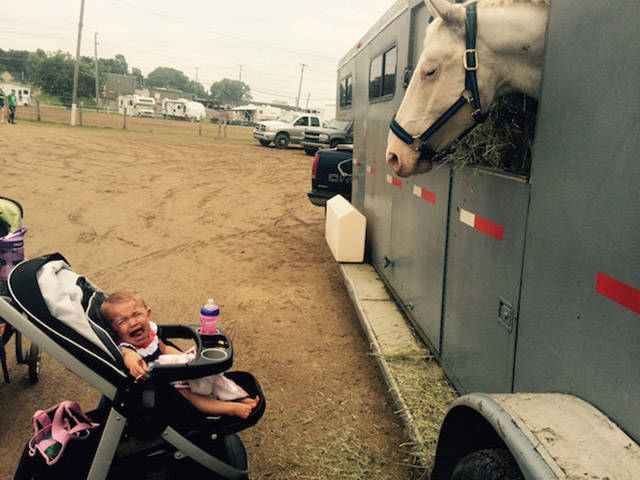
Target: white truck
183,109
137,105
287,129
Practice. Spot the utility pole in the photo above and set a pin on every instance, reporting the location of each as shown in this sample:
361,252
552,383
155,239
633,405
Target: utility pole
74,99
95,44
300,86
197,74
308,98
240,76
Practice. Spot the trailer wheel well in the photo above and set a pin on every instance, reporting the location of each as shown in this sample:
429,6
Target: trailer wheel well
463,431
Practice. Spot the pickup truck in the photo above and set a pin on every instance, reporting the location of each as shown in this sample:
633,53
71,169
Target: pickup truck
331,174
330,135
285,130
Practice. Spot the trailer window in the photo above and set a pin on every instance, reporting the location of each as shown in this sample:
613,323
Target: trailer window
382,75
345,91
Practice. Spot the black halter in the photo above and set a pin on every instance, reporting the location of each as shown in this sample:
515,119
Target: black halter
470,62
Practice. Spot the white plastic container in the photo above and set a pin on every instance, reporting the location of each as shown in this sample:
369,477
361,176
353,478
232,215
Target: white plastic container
345,229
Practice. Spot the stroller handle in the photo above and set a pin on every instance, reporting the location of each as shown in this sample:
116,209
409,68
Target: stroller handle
214,355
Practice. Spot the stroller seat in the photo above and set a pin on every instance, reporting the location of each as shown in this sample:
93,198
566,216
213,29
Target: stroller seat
146,427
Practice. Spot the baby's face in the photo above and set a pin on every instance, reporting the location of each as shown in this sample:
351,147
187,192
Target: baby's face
130,321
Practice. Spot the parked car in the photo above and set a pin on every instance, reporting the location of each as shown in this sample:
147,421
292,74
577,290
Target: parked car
331,174
332,134
285,130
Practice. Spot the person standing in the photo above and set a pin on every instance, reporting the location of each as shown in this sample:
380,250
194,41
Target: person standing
11,99
2,100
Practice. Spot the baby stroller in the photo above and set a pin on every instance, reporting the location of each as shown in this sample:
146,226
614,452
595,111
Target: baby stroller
146,429
11,253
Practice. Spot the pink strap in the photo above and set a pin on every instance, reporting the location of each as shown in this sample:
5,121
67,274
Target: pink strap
69,421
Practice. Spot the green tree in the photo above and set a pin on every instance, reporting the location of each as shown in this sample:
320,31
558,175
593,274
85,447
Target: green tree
228,91
54,74
168,78
197,89
139,77
14,61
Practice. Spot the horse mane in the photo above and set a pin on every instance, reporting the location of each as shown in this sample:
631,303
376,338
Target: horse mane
501,3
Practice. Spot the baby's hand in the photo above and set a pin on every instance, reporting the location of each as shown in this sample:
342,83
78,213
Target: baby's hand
136,365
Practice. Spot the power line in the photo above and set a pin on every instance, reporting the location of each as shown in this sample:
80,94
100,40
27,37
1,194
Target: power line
176,57
252,42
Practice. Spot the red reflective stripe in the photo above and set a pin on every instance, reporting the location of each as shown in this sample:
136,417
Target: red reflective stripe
428,196
486,226
358,162
373,171
619,292
396,182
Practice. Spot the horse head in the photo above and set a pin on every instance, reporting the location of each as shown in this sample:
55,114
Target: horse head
507,57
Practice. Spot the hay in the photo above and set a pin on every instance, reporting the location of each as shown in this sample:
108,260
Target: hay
427,394
504,141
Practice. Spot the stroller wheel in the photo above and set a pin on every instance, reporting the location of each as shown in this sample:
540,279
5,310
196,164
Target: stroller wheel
34,363
21,353
236,455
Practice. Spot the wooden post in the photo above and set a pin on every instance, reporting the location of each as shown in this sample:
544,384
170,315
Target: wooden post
219,125
124,121
224,126
38,109
80,113
200,127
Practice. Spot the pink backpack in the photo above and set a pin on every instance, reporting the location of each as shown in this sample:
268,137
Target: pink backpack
55,427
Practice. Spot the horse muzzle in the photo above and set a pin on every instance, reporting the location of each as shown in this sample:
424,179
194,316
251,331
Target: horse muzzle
406,161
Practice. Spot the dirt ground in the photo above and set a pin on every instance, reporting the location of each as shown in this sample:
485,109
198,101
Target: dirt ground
182,217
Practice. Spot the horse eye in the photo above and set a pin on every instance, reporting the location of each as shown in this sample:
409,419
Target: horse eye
431,72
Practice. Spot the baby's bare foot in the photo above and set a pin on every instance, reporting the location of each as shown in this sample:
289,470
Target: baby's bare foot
251,401
242,410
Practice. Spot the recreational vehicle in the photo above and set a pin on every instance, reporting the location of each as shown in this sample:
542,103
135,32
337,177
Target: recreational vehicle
183,109
23,93
524,285
137,105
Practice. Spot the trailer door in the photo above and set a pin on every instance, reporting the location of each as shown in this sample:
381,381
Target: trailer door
418,224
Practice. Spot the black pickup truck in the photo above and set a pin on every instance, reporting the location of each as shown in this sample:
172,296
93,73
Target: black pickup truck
330,135
331,174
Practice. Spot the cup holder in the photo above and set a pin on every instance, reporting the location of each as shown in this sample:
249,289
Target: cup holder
214,354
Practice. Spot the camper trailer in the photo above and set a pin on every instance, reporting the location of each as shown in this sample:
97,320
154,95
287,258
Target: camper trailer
183,109
137,105
524,285
23,93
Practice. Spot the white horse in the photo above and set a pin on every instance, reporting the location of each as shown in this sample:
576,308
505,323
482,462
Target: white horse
509,46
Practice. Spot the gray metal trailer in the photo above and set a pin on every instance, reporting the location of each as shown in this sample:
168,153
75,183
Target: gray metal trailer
523,286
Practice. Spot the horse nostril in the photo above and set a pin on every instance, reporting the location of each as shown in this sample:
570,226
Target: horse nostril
392,160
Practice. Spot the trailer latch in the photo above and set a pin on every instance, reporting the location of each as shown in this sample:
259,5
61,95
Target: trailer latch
505,313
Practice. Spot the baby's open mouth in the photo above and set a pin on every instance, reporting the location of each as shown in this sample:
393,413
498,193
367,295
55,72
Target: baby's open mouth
137,332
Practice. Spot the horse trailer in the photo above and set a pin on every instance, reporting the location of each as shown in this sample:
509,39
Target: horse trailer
524,286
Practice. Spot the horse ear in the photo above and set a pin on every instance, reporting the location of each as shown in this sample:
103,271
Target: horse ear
452,13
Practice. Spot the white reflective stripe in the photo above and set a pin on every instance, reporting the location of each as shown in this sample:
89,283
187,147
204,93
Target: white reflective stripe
467,218
417,191
368,169
389,179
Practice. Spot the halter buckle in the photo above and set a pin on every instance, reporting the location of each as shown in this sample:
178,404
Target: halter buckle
478,116
417,144
474,59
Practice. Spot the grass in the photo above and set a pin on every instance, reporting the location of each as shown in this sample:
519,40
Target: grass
45,98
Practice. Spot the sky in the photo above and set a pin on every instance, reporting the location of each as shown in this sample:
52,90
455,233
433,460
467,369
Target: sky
263,43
